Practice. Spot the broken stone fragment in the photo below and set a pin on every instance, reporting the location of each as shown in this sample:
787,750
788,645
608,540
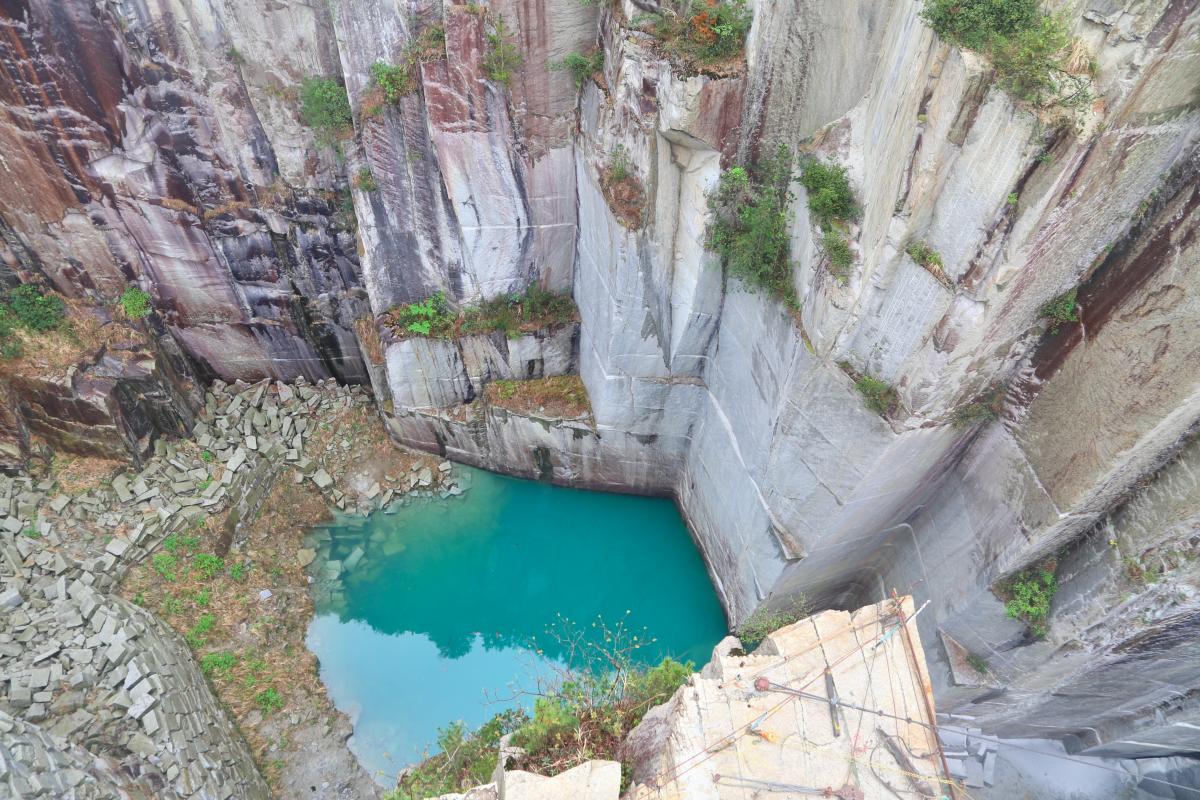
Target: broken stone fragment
322,479
305,556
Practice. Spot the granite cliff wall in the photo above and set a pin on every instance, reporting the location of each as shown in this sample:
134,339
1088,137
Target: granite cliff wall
161,145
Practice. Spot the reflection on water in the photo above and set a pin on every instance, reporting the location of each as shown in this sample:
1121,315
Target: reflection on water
440,611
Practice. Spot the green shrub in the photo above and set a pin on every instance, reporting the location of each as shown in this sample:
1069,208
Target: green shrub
977,24
430,317
837,248
765,621
973,414
1028,594
238,571
1061,309
879,395
365,180
135,303
581,66
325,108
208,565
751,214
218,664
1032,51
36,310
830,198
268,701
503,58
618,163
393,80
920,252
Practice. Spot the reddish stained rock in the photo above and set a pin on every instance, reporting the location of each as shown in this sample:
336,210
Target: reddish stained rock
456,89
719,114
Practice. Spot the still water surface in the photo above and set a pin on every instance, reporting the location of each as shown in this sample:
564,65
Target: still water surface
446,609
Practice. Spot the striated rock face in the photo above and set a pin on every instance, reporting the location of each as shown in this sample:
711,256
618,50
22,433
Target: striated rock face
134,129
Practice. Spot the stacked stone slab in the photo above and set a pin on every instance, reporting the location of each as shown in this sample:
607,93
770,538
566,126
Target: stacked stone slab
87,678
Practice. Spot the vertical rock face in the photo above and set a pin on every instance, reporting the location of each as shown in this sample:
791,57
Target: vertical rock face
134,129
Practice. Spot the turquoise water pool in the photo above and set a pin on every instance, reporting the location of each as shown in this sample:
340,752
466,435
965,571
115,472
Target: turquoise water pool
445,609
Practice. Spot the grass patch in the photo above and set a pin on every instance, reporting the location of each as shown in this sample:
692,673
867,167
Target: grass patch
325,108
1027,596
921,252
751,214
1063,308
879,395
765,621
31,308
978,663
622,189
511,314
562,396
581,66
268,701
218,665
503,58
1033,52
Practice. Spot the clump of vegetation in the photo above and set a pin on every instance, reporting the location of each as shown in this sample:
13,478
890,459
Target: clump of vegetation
983,410
365,180
35,309
218,664
921,252
1027,596
751,213
704,31
325,108
503,58
268,701
208,565
600,696
430,317
1061,309
197,636
766,620
1035,57
135,304
879,395
165,564
510,314
465,759
559,396
622,189
10,343
978,663
832,205
393,80
581,66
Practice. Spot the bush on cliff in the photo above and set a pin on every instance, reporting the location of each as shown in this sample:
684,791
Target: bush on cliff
581,66
36,309
751,214
325,108
1027,596
832,205
135,304
1034,54
503,58
703,31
